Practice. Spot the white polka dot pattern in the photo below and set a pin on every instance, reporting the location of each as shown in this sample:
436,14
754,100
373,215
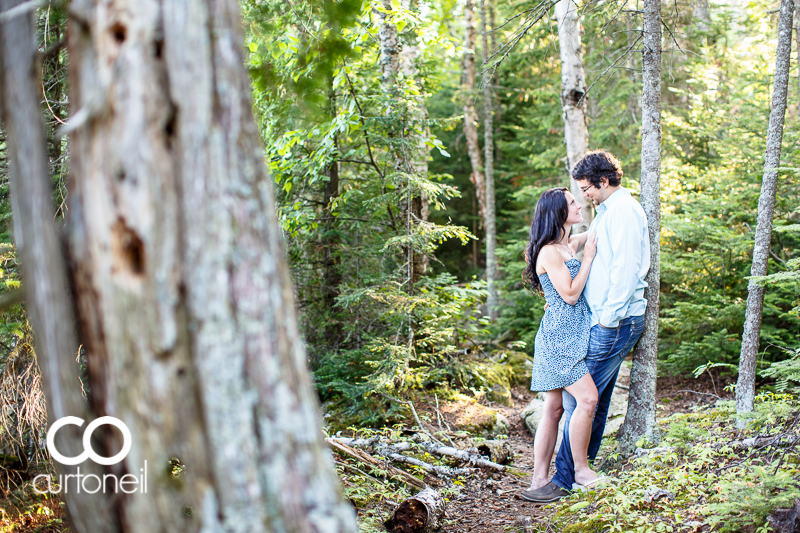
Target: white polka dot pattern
559,351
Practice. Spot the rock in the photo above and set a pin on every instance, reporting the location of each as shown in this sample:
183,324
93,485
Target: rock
500,426
786,520
500,394
619,402
532,414
466,414
654,494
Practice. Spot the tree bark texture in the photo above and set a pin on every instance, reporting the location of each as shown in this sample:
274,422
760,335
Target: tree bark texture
331,275
470,117
797,41
399,53
640,419
185,305
422,513
418,132
701,15
488,150
573,99
44,272
745,384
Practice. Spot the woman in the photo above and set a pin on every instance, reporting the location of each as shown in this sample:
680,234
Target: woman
563,337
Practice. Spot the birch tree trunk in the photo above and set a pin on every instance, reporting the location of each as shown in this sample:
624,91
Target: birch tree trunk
418,132
701,15
44,272
745,385
488,149
797,40
640,420
409,152
470,117
184,301
573,101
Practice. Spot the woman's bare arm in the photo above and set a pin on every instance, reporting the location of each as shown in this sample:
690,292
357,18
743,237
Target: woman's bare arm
569,288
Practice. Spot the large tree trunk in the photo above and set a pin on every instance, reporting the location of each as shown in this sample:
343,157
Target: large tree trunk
573,100
488,149
640,419
44,272
184,300
745,385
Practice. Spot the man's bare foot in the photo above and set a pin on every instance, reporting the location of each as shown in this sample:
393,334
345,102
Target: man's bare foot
538,483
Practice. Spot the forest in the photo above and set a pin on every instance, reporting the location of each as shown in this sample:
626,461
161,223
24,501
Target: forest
282,244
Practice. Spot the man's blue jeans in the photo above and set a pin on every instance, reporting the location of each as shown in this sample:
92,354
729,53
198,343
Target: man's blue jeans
607,349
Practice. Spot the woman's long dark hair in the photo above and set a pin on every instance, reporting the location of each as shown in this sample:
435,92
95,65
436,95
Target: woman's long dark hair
547,227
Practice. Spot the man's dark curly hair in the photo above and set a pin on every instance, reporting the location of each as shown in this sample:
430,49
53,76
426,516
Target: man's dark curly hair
596,165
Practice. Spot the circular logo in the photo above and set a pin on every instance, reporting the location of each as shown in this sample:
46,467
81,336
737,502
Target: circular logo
88,452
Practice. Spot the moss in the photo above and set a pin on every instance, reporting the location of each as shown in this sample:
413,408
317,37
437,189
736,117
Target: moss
467,414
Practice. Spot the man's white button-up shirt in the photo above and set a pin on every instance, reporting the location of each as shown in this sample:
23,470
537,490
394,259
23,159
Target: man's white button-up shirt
615,289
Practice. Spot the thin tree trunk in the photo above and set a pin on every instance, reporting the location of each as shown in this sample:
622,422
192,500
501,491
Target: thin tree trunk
184,299
44,272
640,419
701,15
331,276
409,152
797,41
488,149
745,385
470,117
498,108
417,134
573,99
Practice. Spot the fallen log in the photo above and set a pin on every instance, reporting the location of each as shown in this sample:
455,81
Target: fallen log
471,458
364,457
496,450
387,449
422,513
435,469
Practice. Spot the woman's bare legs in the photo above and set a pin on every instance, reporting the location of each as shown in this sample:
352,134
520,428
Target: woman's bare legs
545,441
580,427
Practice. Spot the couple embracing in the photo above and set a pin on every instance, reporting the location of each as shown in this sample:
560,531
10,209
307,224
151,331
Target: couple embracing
595,315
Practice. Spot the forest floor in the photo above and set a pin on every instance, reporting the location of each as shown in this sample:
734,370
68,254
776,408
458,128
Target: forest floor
704,476
489,503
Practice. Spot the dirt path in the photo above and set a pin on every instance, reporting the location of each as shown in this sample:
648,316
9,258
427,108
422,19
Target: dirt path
489,502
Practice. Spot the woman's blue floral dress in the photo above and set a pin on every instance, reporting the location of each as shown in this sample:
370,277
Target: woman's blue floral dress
563,338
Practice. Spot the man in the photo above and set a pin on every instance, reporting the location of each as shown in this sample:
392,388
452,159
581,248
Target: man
615,294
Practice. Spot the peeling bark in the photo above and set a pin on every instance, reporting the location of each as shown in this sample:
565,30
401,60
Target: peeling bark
573,99
746,383
640,419
184,300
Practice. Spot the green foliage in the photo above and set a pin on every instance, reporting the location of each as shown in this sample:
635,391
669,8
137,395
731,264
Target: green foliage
706,477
